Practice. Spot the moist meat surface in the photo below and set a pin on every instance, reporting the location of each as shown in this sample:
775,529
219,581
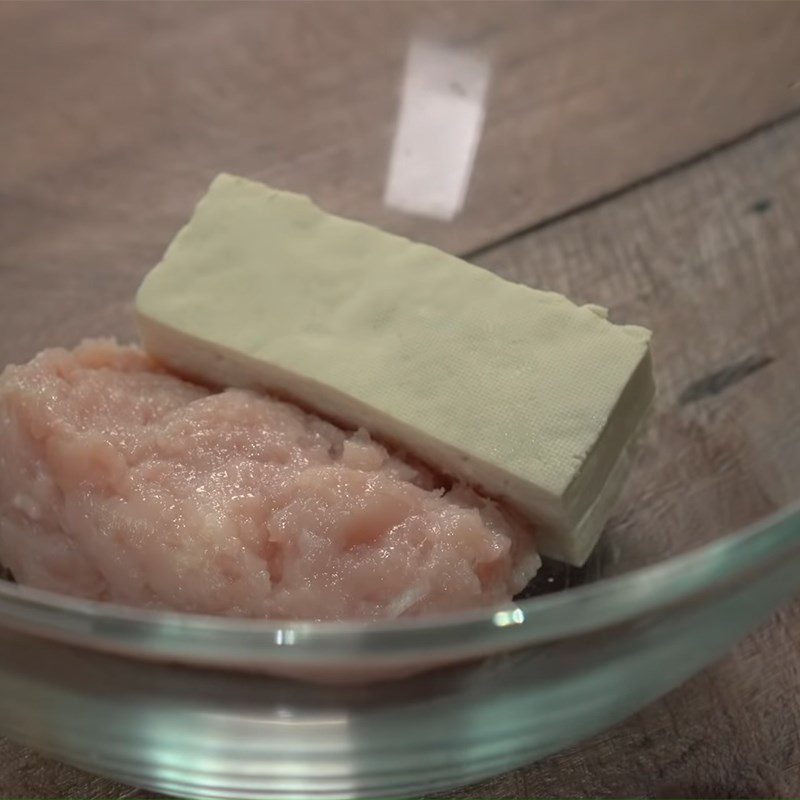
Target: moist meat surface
122,482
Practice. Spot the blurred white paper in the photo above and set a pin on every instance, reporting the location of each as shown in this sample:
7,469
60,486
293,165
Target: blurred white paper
442,109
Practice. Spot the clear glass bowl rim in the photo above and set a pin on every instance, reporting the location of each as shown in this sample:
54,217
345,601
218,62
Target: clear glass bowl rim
734,558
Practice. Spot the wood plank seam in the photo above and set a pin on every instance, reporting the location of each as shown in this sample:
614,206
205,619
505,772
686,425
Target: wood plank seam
759,207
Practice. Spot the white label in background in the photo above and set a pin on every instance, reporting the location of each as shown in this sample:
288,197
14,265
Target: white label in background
438,129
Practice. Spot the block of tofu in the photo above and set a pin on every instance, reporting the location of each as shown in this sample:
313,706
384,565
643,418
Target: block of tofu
518,392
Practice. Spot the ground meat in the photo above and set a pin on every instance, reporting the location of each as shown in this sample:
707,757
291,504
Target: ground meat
122,482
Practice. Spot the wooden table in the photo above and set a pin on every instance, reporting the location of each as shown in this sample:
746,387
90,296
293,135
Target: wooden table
643,156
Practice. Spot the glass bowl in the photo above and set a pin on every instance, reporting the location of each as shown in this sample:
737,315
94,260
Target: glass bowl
207,707
556,133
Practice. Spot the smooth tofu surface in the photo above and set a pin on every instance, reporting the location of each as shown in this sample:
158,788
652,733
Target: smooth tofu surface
518,391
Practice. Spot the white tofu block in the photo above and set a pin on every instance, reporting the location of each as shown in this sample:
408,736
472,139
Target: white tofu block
519,392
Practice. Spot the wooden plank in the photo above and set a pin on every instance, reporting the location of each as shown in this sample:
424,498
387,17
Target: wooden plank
708,257
115,116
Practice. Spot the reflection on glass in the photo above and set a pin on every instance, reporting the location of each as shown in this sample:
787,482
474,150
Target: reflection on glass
438,129
503,618
284,636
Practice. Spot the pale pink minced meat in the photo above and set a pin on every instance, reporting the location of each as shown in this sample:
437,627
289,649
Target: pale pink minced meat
121,482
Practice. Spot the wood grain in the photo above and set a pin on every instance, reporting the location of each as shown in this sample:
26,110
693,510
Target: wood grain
707,256
708,259
115,116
